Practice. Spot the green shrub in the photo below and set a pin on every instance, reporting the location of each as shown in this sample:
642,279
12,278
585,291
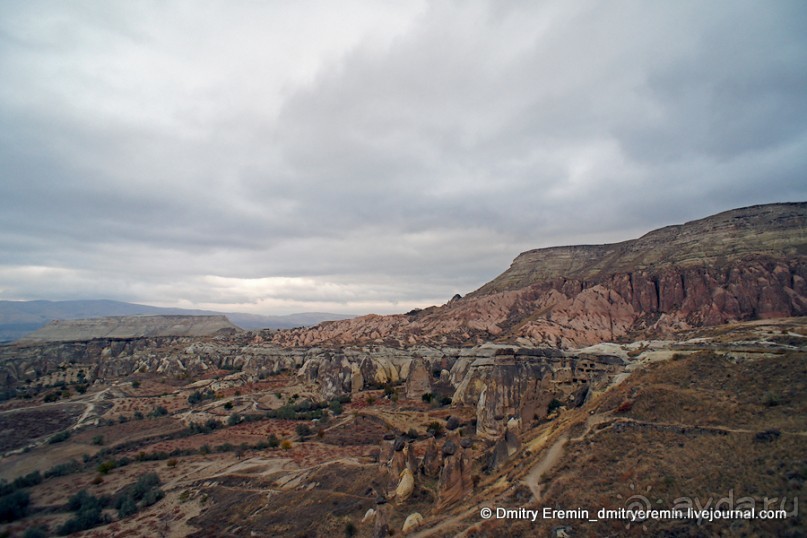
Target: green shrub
107,466
141,494
63,469
59,437
80,499
158,411
14,506
127,507
197,396
435,429
152,496
291,412
27,481
88,509
234,419
303,431
205,428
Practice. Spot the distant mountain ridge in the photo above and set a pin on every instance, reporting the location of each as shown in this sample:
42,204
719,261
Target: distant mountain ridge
129,327
18,318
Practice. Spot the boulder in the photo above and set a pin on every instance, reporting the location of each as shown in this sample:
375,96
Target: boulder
412,521
406,486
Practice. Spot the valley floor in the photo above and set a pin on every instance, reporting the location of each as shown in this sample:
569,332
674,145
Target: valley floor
713,418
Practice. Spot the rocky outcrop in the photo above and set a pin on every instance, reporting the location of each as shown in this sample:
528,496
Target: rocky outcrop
334,374
348,370
455,475
507,445
505,383
430,464
418,382
381,519
740,265
406,485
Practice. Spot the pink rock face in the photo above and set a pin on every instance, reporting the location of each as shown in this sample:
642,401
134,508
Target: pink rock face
617,306
736,266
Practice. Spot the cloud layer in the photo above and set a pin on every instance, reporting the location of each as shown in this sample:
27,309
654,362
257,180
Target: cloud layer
364,156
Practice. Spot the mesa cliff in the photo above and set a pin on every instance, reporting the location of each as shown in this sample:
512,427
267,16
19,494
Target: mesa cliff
740,265
129,327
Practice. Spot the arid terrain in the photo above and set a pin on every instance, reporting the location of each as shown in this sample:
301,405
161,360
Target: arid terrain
668,372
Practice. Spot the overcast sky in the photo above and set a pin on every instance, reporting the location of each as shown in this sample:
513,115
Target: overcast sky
355,157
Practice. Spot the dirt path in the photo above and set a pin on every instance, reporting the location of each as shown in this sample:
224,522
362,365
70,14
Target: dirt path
553,455
89,408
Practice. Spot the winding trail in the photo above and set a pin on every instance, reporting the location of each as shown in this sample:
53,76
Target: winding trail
552,457
90,408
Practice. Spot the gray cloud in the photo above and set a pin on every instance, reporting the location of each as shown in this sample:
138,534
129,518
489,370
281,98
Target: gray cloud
250,156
